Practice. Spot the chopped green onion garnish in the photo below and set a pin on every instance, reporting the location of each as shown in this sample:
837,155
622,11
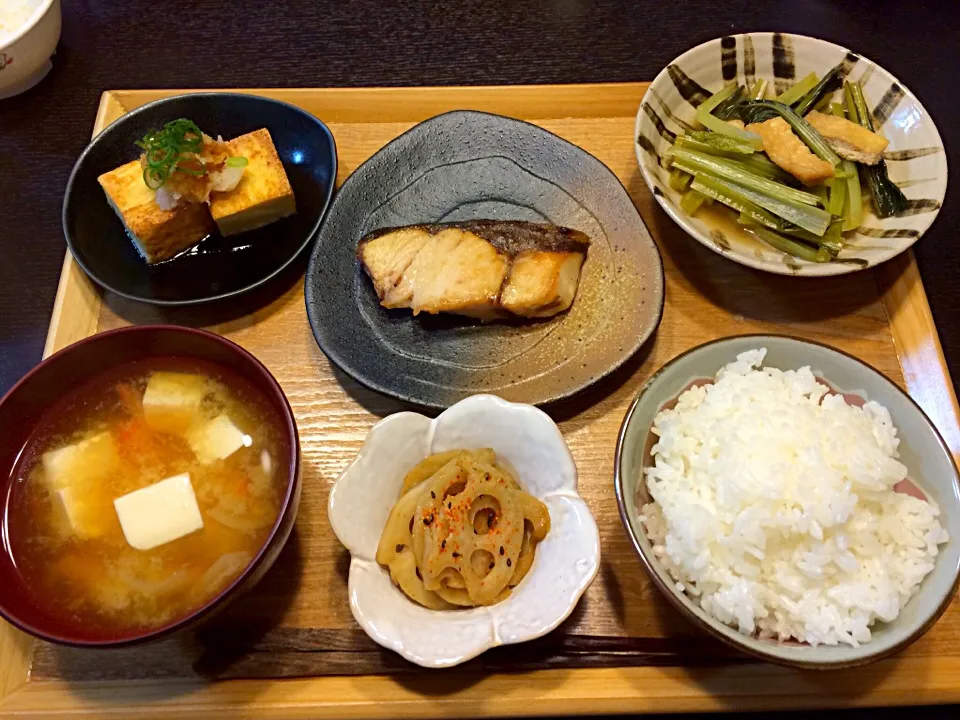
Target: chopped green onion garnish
163,150
237,162
154,178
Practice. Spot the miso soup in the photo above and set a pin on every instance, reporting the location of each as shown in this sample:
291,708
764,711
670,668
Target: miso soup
145,493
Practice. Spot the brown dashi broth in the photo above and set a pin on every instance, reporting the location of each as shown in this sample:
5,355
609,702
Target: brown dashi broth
64,531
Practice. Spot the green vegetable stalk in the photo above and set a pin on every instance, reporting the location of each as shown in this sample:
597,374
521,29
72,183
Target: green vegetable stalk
789,246
888,199
706,118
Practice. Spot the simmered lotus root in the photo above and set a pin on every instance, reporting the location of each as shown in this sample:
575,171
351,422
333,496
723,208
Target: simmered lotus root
396,552
463,534
430,465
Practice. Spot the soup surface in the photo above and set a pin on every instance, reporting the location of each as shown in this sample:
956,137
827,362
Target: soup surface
155,556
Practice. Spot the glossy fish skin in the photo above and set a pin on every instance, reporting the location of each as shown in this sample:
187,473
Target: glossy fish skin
485,269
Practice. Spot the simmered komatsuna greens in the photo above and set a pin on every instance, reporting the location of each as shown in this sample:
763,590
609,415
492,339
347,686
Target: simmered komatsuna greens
794,187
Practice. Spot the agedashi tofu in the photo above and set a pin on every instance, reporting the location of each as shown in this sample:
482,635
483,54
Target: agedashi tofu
172,400
263,195
157,234
159,513
217,439
80,463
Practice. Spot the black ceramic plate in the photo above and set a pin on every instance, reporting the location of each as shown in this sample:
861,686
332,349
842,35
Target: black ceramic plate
470,165
218,267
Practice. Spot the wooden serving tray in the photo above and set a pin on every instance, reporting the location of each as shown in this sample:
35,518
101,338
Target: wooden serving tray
291,648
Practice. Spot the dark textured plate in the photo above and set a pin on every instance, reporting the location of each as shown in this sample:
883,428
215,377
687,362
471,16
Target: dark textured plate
470,165
218,267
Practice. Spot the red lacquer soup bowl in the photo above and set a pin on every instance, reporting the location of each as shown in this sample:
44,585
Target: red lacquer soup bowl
24,413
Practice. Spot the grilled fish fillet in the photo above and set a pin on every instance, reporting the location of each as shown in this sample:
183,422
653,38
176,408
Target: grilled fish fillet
484,269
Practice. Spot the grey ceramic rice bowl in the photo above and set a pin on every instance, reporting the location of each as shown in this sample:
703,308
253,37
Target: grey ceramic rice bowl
922,449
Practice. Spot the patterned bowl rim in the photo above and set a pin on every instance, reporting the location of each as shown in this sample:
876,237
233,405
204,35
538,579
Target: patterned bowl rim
806,269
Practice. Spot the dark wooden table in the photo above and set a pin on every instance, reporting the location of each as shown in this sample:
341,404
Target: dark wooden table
218,43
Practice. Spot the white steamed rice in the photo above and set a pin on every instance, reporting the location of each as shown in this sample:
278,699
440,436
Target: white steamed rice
773,505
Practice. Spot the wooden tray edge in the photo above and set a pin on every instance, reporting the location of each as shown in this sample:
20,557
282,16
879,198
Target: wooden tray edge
399,104
547,692
907,681
917,343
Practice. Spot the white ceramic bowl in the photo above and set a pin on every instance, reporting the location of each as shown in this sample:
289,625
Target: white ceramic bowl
566,561
25,58
915,156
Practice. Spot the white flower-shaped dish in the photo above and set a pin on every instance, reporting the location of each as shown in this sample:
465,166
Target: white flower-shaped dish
566,561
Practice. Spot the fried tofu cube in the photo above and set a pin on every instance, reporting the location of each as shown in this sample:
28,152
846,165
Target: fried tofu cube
157,234
264,193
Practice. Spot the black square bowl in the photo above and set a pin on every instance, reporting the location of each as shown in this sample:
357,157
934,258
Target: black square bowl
219,267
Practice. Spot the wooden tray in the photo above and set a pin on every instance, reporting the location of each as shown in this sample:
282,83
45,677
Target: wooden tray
291,648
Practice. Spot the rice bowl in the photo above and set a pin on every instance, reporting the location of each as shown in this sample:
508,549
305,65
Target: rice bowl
928,463
774,506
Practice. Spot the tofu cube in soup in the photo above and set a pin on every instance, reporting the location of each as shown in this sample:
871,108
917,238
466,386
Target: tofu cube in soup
172,400
80,463
217,439
157,234
84,509
159,513
264,193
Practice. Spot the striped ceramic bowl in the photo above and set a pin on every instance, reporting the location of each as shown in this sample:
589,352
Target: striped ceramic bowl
915,157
